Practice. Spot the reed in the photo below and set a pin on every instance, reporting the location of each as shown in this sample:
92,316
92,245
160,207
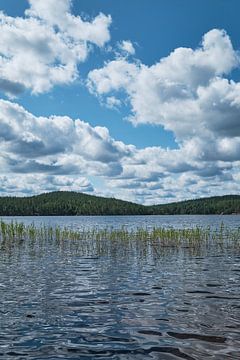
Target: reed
15,234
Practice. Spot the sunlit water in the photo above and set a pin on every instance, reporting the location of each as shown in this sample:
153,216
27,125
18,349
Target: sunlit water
177,221
120,303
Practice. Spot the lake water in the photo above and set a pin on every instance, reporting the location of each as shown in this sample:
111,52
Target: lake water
121,303
177,221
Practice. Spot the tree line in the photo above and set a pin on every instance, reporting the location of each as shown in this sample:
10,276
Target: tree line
73,203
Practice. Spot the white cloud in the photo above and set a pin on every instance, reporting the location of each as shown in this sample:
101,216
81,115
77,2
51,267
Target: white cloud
189,93
186,92
58,153
44,48
116,75
127,47
58,13
112,102
56,145
30,184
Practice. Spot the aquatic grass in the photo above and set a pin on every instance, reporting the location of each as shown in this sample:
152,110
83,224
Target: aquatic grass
15,234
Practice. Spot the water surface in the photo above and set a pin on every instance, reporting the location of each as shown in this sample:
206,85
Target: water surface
120,303
177,221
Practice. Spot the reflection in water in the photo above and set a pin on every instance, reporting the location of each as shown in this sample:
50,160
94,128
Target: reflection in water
118,302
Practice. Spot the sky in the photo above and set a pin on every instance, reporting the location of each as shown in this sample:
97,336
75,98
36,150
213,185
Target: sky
137,100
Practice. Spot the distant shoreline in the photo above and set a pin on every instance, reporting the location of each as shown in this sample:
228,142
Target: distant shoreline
63,203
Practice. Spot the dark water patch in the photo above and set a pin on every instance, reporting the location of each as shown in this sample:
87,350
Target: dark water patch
233,327
156,287
141,294
13,353
220,297
111,353
198,292
213,285
208,338
30,316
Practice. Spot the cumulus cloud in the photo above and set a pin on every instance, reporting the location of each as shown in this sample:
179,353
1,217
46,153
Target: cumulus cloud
29,184
114,76
58,153
187,92
58,144
44,48
58,13
191,94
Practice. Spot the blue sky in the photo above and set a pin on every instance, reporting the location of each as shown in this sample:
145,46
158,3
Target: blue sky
154,85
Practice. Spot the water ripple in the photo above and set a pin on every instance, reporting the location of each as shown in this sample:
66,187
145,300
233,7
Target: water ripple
62,305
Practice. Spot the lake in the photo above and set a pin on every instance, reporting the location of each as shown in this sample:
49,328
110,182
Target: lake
122,303
177,221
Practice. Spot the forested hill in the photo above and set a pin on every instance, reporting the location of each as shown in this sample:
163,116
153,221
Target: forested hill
227,204
72,203
67,203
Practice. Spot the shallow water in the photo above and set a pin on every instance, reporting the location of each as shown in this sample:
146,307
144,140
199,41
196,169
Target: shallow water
120,303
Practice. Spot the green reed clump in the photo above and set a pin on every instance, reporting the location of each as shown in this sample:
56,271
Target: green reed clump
14,233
